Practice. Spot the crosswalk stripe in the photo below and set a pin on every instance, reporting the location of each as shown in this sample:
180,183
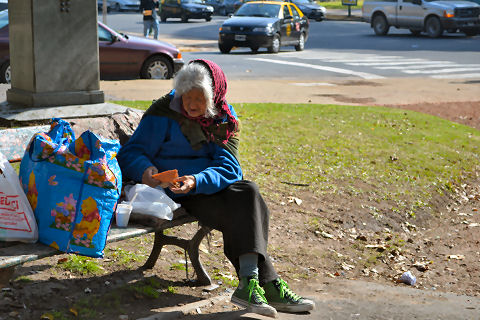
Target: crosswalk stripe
423,66
396,63
456,76
363,59
440,70
363,75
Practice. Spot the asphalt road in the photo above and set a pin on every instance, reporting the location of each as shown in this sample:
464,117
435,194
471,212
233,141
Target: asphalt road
339,49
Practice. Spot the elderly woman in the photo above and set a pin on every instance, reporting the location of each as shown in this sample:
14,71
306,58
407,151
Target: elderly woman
194,130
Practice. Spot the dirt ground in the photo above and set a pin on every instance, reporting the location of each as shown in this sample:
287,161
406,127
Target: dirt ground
321,238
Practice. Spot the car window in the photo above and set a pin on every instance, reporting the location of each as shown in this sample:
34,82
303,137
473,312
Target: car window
104,34
3,18
259,10
286,12
295,13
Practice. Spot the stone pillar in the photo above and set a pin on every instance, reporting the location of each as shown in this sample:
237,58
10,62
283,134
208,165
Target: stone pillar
54,53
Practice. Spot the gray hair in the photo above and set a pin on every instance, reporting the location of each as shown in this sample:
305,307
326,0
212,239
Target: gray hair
194,75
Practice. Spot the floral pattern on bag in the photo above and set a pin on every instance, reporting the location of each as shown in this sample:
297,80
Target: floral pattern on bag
64,213
88,226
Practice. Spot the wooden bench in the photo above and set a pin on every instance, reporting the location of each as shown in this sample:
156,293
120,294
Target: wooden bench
13,143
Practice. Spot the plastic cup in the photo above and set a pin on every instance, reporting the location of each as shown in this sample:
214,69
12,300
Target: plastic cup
122,215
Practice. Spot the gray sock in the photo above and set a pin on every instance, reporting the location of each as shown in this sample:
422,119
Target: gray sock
248,265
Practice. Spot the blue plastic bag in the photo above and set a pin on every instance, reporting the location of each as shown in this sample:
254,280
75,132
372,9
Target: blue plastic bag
73,186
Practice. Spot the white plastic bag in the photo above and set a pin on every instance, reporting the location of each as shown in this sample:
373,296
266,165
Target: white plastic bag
151,201
17,221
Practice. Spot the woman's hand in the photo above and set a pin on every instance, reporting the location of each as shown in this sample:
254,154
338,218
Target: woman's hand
148,179
185,185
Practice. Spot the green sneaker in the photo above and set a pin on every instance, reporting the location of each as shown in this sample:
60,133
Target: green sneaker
250,295
282,298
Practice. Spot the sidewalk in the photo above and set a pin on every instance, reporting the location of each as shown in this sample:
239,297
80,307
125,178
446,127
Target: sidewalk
342,14
342,299
348,91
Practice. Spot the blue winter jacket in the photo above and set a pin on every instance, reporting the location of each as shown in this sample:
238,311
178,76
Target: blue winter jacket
158,141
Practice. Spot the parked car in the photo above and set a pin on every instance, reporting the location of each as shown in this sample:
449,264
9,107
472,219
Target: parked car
232,5
269,24
121,56
430,16
121,5
3,4
311,9
218,6
185,9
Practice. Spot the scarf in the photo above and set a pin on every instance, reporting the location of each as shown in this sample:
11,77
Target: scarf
201,130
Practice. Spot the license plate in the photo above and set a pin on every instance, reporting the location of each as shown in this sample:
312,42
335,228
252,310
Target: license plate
240,37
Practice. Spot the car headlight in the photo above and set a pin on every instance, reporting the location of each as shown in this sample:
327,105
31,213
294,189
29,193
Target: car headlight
323,10
267,29
210,9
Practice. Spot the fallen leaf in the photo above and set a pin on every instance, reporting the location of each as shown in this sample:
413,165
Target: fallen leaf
326,235
203,248
73,311
47,316
471,225
346,266
421,266
456,256
298,201
62,260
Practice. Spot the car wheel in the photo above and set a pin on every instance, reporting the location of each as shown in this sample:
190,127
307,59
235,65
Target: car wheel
184,17
434,28
275,47
380,25
157,67
208,19
224,48
301,42
5,73
415,32
163,17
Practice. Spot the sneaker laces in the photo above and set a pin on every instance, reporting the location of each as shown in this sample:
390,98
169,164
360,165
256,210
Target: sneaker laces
285,291
254,287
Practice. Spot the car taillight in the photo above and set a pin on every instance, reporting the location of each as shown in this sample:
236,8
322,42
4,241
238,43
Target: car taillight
179,55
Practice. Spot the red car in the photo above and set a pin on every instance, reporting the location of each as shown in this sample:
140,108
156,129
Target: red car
121,56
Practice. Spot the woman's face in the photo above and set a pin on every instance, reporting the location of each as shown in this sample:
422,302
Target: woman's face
194,103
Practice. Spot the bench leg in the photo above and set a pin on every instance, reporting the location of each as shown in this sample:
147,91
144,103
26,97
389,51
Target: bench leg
5,276
191,246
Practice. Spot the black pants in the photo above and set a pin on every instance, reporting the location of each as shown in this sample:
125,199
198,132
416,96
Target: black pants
242,216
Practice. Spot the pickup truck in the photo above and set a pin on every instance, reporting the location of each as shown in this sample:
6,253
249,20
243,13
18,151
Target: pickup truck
432,17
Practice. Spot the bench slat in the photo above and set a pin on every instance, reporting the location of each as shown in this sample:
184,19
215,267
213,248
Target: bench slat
18,252
13,142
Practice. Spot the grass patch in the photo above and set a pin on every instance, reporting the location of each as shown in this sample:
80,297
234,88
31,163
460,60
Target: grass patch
81,265
397,155
23,279
338,5
122,256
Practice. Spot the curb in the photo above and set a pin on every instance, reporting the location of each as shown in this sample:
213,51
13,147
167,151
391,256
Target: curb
337,17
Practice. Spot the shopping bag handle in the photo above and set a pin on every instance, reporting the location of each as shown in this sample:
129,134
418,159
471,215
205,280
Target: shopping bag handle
30,150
